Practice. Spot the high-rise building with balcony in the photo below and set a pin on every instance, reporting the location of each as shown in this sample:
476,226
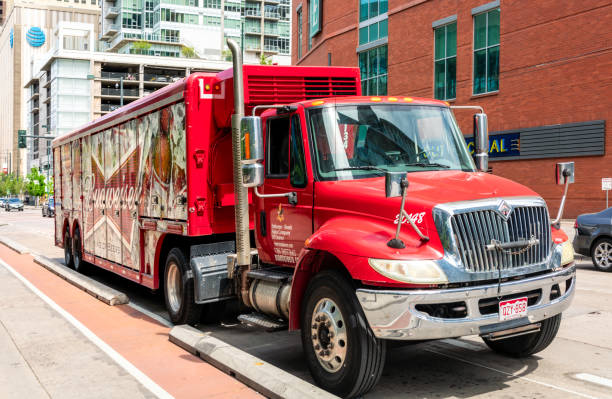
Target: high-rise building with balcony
196,28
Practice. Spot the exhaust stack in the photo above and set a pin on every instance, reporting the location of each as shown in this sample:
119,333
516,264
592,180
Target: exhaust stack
241,207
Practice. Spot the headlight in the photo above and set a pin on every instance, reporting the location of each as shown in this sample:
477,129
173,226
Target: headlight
567,253
416,272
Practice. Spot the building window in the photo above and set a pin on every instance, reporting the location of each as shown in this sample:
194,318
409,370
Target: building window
372,8
299,38
486,52
445,62
373,67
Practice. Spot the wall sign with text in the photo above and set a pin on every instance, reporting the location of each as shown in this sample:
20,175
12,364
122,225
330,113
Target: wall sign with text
314,15
500,145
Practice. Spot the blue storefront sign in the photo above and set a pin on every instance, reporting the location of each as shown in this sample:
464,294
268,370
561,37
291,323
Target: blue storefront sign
500,145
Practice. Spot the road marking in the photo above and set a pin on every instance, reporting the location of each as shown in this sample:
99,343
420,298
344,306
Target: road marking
123,362
515,375
606,382
463,344
163,321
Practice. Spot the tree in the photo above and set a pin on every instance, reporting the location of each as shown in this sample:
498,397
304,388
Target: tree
263,60
36,183
141,46
16,185
49,186
4,181
188,52
226,55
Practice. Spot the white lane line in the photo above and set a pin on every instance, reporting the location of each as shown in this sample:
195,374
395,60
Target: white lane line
463,344
154,316
584,395
606,382
123,362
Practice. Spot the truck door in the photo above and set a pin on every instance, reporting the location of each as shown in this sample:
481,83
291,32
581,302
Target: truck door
282,227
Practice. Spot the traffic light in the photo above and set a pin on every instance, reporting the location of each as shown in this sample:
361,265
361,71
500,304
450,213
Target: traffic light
21,139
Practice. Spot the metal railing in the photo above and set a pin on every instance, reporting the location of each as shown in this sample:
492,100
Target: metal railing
252,12
108,107
118,75
107,91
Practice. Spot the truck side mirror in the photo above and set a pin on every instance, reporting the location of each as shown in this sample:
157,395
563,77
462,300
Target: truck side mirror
251,151
564,172
481,142
393,184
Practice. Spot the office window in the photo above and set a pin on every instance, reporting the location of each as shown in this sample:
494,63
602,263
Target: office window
373,67
445,61
372,8
486,52
299,27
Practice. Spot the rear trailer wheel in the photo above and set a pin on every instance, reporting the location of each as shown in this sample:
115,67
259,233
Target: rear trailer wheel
602,255
179,291
77,254
67,249
529,344
342,353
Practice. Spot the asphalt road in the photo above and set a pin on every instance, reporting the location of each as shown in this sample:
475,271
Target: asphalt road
577,364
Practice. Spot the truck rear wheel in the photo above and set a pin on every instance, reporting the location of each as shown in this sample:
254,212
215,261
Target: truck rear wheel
343,355
529,344
68,249
77,254
179,291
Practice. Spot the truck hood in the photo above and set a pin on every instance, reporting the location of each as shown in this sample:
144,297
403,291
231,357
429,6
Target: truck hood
364,201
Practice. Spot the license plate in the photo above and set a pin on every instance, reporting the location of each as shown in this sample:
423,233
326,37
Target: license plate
513,308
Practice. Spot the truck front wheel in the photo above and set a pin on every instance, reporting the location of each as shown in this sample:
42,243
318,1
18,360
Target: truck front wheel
67,249
529,344
179,291
342,353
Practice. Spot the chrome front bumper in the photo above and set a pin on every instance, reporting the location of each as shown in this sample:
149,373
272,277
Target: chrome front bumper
393,314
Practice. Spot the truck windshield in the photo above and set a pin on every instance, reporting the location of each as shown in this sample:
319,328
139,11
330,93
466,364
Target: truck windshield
364,140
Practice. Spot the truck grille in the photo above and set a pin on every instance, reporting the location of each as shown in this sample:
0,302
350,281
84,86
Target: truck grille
474,230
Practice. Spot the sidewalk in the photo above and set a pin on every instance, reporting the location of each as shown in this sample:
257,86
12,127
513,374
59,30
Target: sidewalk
43,355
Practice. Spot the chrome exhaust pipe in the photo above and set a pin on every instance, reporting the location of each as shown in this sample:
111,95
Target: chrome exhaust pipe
241,207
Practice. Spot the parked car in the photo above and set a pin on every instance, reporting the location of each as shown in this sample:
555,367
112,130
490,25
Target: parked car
13,204
594,238
48,208
3,202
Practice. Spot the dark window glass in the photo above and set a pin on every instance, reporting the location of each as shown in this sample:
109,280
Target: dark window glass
445,61
486,52
278,148
298,164
363,10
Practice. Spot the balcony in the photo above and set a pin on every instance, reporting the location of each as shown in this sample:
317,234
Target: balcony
271,31
111,12
108,107
252,30
160,78
253,46
272,15
269,48
125,37
115,76
110,30
252,12
108,91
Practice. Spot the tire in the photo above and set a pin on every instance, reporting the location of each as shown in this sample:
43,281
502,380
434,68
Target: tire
602,255
179,291
77,252
330,306
529,344
68,250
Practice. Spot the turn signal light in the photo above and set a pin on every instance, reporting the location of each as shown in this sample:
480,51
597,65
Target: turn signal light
319,102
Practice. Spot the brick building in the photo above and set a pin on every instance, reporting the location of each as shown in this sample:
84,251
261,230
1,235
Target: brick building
541,70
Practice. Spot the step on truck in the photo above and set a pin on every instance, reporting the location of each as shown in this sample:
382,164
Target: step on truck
357,220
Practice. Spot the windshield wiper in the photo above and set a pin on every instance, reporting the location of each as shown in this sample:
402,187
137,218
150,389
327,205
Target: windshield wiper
365,167
423,164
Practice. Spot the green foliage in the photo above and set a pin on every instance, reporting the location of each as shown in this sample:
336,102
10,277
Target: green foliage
226,55
36,183
50,186
188,52
141,45
4,179
263,60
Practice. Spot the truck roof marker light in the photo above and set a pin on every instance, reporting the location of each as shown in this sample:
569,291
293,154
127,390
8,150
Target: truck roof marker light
319,102
392,99
408,99
376,99
447,103
207,87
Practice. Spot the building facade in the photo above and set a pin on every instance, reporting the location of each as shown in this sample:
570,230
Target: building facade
541,71
72,84
193,28
26,33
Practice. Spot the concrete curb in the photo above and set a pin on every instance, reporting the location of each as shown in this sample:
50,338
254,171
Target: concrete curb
14,246
106,294
255,373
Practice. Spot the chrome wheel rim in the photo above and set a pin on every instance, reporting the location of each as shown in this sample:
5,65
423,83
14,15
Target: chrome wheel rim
603,255
328,332
173,287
